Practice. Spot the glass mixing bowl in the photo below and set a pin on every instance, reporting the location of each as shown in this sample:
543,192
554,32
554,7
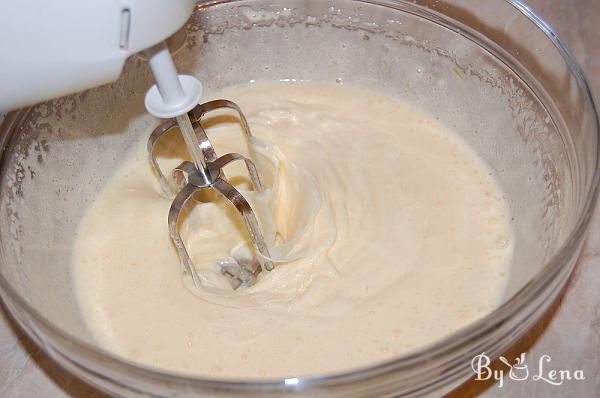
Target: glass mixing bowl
491,70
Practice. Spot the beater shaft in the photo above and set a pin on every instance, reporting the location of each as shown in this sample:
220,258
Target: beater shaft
189,136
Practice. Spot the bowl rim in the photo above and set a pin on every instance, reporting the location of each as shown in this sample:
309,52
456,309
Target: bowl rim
439,348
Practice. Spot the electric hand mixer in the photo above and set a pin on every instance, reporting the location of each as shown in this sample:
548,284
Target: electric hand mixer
51,49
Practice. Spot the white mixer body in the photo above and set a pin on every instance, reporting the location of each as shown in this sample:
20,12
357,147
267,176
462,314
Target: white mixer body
53,48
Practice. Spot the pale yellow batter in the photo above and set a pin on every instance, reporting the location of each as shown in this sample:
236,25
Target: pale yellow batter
389,233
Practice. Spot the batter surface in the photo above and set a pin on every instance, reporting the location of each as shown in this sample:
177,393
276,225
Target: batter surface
388,230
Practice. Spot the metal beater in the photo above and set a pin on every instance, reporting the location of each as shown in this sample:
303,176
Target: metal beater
206,172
